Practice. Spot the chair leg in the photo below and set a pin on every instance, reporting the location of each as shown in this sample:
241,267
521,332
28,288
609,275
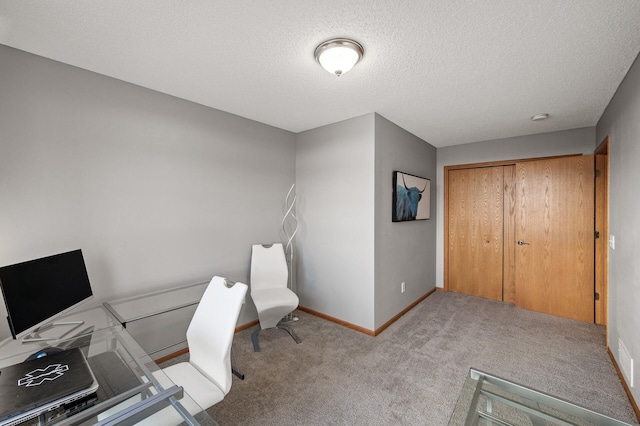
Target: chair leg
254,336
254,339
290,331
234,366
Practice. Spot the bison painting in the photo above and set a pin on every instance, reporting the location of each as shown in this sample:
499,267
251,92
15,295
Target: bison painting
409,199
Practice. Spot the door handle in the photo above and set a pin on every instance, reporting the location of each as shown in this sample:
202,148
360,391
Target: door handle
522,243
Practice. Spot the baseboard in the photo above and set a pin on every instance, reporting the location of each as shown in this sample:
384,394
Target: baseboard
404,311
362,329
624,383
247,325
171,356
337,321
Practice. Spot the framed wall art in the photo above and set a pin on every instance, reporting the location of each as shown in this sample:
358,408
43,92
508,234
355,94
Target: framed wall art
411,195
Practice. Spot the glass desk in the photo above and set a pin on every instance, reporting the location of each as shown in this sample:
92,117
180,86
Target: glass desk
490,400
140,315
132,388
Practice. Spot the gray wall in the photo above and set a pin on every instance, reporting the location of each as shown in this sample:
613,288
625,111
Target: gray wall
576,141
352,258
335,188
621,121
404,251
157,191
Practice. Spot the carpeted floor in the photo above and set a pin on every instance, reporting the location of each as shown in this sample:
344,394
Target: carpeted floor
413,372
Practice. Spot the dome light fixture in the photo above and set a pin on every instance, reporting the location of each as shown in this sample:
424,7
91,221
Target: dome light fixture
338,55
540,117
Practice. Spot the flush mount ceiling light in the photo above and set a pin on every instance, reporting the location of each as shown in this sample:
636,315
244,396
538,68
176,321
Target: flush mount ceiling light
339,55
540,117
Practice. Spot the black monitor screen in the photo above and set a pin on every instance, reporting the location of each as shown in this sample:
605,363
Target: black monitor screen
37,290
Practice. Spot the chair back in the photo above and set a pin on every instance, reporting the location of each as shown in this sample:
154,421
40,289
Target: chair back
268,267
210,332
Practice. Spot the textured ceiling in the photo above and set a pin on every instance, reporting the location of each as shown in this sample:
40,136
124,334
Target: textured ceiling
450,72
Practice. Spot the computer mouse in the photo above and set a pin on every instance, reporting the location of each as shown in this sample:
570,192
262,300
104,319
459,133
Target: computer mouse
44,352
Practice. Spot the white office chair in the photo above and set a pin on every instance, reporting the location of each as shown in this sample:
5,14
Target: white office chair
206,377
269,291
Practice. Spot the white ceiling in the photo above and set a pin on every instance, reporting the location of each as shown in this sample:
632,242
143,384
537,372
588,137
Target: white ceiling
450,72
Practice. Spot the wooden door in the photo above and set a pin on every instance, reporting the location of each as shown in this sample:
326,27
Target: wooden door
475,231
554,259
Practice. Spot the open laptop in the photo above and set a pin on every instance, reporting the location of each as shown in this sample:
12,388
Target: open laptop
34,387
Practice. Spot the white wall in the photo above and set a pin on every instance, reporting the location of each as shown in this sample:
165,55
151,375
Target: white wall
335,187
621,121
576,141
404,251
155,190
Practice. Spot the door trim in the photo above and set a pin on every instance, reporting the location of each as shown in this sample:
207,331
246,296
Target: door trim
601,264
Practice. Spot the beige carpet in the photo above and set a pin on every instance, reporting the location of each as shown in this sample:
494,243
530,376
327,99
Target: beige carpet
413,372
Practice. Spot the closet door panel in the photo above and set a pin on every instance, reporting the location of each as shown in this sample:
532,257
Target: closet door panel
554,247
475,222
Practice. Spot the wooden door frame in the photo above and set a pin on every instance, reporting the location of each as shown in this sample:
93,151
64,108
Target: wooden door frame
601,264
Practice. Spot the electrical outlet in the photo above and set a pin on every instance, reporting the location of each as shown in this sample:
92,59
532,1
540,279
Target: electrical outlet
612,242
402,287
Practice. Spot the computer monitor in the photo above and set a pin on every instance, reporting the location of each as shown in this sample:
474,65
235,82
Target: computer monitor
37,291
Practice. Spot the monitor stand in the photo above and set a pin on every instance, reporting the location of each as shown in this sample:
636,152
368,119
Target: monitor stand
34,336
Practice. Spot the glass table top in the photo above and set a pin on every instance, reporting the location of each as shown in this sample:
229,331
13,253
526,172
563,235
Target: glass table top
132,388
491,400
149,304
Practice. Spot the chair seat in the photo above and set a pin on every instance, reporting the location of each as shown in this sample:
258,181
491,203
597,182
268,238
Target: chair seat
203,391
272,304
272,297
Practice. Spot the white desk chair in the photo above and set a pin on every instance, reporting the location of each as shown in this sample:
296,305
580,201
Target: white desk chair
269,291
206,377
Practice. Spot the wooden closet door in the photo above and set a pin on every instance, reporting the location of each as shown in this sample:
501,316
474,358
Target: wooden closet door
555,228
475,226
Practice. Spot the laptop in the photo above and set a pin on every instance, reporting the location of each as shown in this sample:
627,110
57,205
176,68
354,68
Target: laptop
40,385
